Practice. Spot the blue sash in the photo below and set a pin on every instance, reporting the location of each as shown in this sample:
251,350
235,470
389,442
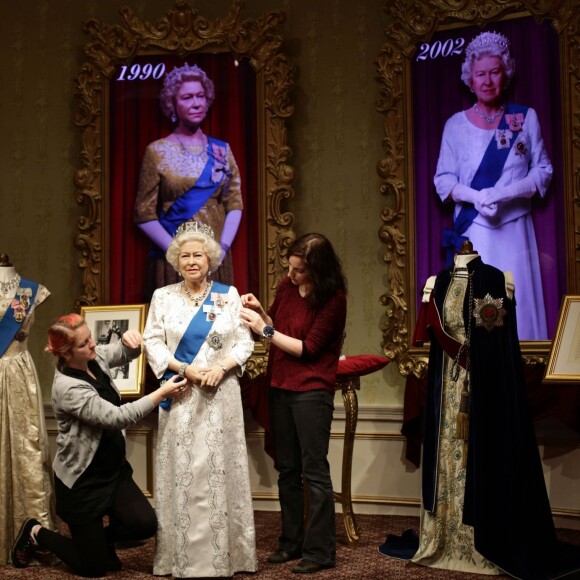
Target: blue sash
188,204
194,337
487,175
15,315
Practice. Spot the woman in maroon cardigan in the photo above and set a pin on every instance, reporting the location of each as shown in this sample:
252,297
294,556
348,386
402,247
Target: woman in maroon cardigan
305,327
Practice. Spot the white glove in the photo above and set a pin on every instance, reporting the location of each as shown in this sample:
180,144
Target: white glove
523,188
464,193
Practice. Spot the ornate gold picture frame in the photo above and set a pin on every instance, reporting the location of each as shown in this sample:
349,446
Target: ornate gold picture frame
181,32
408,25
564,361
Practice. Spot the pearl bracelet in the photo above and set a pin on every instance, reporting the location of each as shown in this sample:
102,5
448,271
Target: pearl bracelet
182,368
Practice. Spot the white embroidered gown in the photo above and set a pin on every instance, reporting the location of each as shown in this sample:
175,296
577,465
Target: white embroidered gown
202,488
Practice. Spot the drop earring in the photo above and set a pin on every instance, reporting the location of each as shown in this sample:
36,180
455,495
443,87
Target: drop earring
173,117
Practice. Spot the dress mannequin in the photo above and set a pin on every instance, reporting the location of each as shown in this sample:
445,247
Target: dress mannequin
25,484
465,255
439,546
484,503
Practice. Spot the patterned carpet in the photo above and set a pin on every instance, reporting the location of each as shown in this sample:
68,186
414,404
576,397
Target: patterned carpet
363,563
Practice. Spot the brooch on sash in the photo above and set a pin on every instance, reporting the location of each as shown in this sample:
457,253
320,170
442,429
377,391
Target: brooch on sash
219,301
503,138
515,121
489,312
21,306
214,340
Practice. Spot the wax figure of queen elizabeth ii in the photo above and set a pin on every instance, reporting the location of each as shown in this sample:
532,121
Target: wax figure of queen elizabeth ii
202,491
491,163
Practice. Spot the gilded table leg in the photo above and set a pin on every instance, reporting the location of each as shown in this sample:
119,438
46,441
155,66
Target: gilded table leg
350,400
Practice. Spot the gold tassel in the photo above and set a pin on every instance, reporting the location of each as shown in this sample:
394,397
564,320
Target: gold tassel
464,455
462,426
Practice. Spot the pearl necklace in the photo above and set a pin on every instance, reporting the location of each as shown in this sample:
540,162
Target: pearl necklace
491,118
5,287
197,300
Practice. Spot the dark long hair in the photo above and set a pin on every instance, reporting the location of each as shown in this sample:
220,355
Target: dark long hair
324,267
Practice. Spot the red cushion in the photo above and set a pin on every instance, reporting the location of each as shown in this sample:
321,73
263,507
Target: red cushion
360,364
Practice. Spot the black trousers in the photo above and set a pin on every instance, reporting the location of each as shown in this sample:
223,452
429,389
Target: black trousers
87,551
301,428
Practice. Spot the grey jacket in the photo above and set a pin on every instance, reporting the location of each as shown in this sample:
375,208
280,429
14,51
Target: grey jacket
81,414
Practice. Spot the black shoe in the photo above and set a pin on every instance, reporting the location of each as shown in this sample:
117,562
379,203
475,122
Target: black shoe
23,548
282,556
310,567
113,562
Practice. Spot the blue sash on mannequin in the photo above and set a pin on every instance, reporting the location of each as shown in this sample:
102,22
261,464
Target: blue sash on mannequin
16,313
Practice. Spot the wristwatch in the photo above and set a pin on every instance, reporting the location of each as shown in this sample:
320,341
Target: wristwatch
268,332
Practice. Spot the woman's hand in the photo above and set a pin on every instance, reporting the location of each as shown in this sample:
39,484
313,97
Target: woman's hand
193,374
253,315
252,320
212,377
131,339
250,301
176,386
525,187
487,210
464,193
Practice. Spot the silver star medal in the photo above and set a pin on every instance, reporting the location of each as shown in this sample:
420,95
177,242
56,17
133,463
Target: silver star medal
214,340
489,312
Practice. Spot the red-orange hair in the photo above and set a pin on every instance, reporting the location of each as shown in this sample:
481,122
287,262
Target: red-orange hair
61,337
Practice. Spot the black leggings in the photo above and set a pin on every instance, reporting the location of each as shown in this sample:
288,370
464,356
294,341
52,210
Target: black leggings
131,517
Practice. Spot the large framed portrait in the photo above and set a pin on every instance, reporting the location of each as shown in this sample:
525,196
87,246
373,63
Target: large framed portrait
107,325
420,69
119,116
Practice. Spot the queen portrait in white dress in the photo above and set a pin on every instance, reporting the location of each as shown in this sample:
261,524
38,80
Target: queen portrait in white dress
492,163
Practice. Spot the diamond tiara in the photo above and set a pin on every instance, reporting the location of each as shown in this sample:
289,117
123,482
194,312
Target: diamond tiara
485,41
195,228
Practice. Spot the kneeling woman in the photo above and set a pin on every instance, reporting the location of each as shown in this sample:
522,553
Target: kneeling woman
92,475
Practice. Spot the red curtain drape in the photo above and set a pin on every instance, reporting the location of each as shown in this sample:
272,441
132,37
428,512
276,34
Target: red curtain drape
135,120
